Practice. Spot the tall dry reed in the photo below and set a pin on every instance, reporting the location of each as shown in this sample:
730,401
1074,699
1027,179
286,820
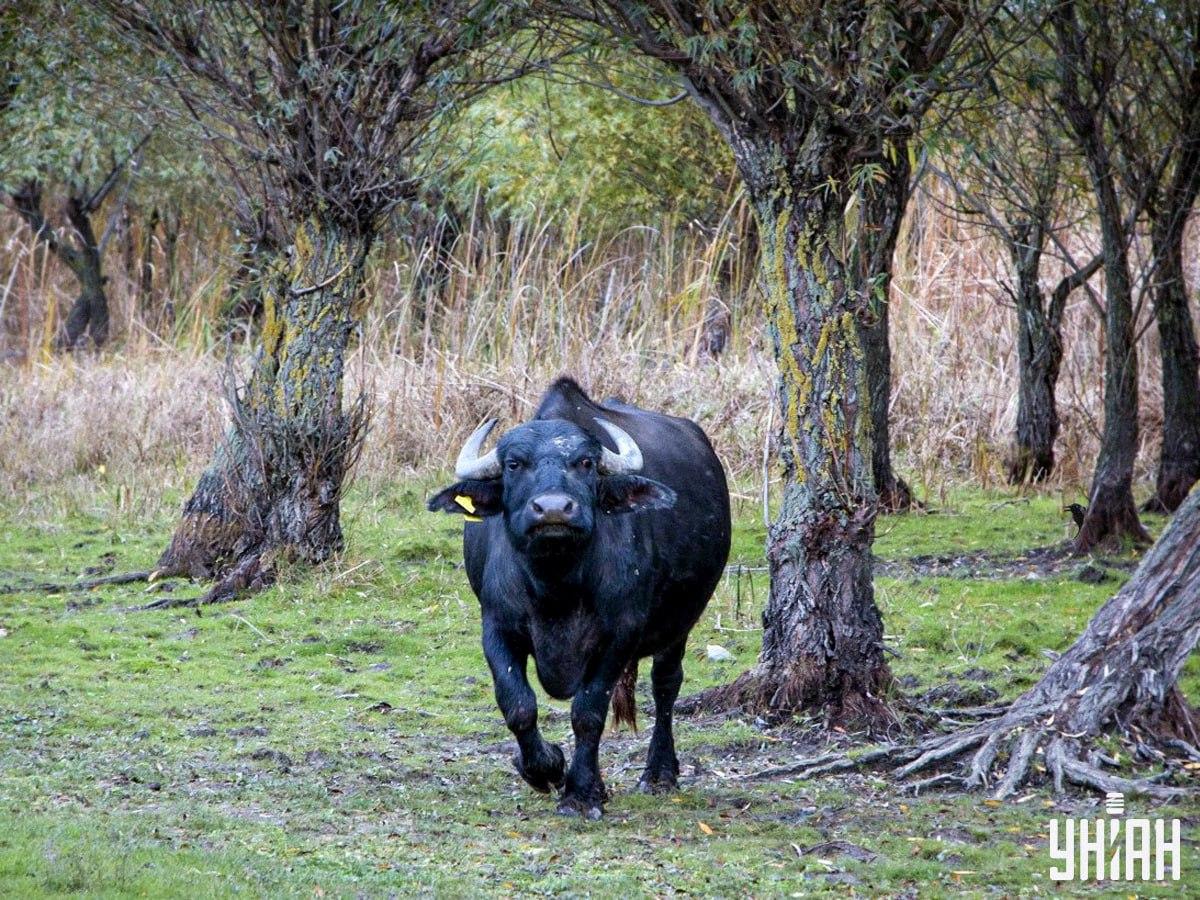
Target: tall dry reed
517,306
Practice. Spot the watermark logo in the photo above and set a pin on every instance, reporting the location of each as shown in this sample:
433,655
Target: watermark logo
1115,848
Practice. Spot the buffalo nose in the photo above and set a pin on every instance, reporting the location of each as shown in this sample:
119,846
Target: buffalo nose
553,509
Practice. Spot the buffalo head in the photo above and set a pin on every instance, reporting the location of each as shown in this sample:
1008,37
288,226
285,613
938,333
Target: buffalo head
550,479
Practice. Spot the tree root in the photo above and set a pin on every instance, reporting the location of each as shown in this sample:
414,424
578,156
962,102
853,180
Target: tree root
83,585
253,573
1017,740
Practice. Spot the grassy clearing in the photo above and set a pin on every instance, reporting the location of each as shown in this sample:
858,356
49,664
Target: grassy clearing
337,733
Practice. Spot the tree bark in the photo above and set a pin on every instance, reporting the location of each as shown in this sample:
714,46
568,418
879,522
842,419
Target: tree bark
1039,358
274,487
822,633
1179,462
883,211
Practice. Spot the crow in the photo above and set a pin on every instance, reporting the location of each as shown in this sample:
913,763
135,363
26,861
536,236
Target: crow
1077,512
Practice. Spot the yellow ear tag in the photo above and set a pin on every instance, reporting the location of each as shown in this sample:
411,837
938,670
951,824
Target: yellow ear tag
469,505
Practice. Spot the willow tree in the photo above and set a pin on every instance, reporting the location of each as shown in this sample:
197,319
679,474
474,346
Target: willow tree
65,154
1091,45
812,99
1170,73
1012,171
319,112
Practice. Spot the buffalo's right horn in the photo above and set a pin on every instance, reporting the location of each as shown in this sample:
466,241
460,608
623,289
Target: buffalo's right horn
628,457
470,464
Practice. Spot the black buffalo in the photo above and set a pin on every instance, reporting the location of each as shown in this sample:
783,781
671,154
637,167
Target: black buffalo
596,535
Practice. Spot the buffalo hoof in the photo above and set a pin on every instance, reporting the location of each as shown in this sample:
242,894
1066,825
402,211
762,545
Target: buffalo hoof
545,771
657,783
580,809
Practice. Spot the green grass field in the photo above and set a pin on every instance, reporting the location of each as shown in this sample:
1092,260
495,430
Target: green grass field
336,735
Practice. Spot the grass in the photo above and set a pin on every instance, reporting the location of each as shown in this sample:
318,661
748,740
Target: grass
336,735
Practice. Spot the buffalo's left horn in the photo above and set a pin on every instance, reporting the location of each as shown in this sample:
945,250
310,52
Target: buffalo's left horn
628,457
470,464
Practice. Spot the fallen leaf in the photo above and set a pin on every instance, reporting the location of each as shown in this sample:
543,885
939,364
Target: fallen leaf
705,828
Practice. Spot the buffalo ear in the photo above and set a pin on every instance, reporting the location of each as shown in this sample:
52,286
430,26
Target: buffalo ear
472,498
632,493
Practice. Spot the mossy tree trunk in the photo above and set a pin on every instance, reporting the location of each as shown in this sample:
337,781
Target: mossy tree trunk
274,487
822,633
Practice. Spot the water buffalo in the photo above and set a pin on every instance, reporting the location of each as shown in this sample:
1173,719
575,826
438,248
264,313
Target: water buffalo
596,534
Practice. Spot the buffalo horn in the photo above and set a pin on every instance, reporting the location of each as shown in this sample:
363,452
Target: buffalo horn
470,464
628,457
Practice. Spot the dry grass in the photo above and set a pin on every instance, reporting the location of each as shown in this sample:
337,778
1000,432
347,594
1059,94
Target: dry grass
623,315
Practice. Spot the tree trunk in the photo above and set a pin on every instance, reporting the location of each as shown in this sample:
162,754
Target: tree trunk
1039,357
883,211
1179,462
1111,514
146,267
822,633
274,487
171,220
89,313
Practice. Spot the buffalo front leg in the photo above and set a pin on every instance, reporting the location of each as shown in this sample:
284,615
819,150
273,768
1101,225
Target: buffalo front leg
584,793
662,766
538,761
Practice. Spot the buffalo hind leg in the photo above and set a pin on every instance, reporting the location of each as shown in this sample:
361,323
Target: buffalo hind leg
538,761
662,766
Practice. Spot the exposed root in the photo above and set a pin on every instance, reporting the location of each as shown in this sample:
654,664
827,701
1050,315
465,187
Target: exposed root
83,585
253,573
942,750
1012,740
828,762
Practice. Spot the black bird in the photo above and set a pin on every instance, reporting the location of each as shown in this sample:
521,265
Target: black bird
1077,512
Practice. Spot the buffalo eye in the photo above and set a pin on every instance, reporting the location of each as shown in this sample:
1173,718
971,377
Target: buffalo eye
585,464
514,464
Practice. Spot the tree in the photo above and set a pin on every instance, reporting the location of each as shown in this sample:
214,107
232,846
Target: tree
1013,172
1090,46
1171,75
58,135
811,99
884,202
319,113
